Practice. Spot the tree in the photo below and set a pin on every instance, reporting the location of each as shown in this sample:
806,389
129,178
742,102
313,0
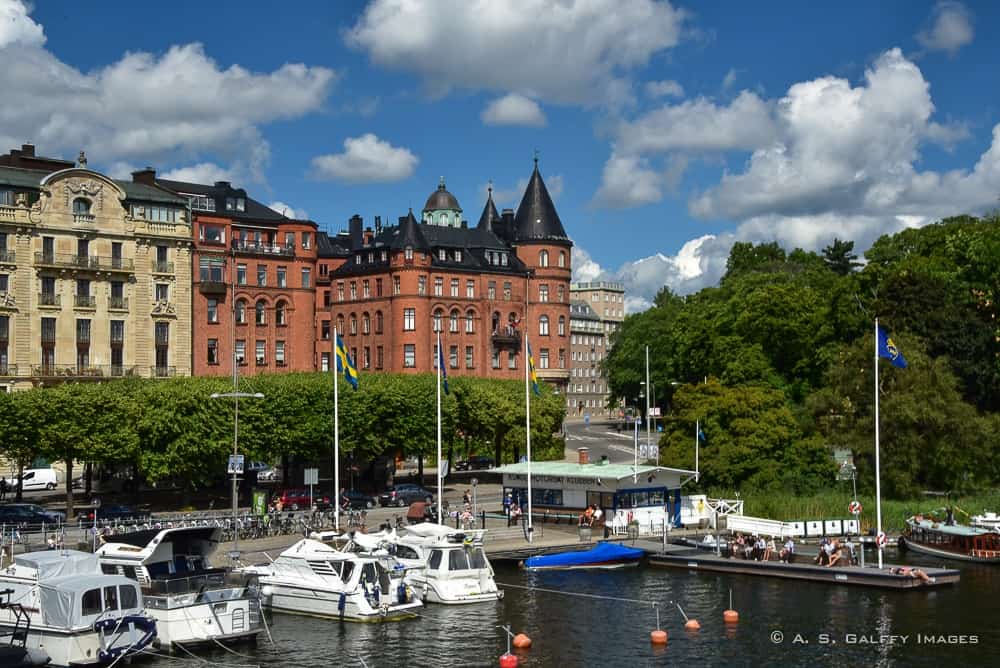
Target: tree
840,257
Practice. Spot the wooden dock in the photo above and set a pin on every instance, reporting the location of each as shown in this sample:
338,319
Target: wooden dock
694,560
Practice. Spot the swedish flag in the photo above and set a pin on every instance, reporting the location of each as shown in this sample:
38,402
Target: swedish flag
345,364
531,372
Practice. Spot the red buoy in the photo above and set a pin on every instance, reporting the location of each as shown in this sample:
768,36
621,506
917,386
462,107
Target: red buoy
730,616
658,637
508,661
521,641
692,625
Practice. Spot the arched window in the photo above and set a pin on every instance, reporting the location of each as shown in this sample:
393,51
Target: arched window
260,310
543,258
470,321
562,258
378,322
354,324
438,314
366,323
543,325
340,324
81,206
241,311
279,313
496,322
453,321
562,326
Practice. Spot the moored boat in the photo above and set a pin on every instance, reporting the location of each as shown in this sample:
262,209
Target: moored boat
988,520
191,601
604,555
58,605
951,541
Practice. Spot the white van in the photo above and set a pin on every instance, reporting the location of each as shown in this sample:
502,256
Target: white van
34,479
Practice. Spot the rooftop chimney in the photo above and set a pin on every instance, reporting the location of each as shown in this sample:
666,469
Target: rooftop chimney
28,150
378,224
368,236
584,455
355,226
145,176
223,184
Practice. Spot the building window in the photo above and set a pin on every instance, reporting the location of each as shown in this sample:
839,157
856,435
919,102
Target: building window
408,253
241,312
562,325
340,325
354,290
421,285
562,258
378,287
289,240
162,339
470,289
395,285
259,311
306,277
378,322
409,319
366,323
213,310
454,287
340,291
562,359
512,360
324,362
279,353
366,289
213,234
562,294
307,240
213,351
379,357
262,275
438,287
543,292
162,291
260,352
282,283
453,357
442,254
496,358
437,320
453,321
409,355
470,321
241,274
324,329
543,358
354,325
366,357
236,204
279,314
543,325
506,291
543,258
326,298
81,206
491,290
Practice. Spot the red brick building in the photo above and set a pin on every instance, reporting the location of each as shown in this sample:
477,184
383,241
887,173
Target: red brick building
271,260
392,289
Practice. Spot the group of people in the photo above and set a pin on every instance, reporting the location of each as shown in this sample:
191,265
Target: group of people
757,548
512,509
832,552
591,516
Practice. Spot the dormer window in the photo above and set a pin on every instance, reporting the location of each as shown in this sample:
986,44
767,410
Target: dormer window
458,256
81,207
384,256
371,257
408,253
503,259
236,204
357,259
442,254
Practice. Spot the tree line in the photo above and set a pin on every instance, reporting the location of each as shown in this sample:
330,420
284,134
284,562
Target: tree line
172,431
776,363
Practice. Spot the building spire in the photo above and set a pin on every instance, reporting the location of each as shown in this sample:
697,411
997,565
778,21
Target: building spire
536,218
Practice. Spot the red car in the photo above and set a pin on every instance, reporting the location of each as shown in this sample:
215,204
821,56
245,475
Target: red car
294,499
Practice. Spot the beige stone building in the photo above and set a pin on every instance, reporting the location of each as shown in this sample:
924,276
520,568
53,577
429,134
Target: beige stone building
596,311
95,275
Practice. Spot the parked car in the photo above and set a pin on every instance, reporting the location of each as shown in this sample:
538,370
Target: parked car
356,499
268,474
474,464
17,514
114,512
33,479
296,499
53,516
404,494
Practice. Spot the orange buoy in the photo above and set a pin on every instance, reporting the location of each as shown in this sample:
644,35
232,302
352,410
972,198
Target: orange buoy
658,637
730,616
521,641
508,661
692,625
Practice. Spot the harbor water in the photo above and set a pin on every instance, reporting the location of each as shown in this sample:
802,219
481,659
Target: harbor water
781,623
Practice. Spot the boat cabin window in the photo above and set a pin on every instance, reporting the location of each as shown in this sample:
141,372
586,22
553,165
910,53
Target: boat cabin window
129,597
108,569
111,598
435,561
92,602
348,569
406,552
477,559
129,572
158,570
458,560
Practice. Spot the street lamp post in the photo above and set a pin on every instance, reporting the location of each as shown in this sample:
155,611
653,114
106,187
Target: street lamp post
236,396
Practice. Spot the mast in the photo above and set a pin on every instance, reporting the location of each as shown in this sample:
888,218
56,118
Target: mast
336,430
527,421
878,481
439,360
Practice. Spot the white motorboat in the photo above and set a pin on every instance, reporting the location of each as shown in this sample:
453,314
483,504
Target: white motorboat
312,578
443,565
191,602
988,520
58,605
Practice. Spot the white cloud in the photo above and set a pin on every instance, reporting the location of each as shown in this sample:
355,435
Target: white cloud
952,28
513,109
177,107
553,50
16,27
628,181
729,79
665,88
203,172
585,269
289,211
366,159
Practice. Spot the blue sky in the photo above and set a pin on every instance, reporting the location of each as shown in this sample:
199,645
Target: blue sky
665,131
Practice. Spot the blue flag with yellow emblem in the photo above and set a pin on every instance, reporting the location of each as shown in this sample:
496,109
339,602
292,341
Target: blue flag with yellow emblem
345,364
531,373
887,349
440,361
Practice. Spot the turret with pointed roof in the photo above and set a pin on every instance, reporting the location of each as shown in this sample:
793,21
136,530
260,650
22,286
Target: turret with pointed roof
536,218
408,234
490,215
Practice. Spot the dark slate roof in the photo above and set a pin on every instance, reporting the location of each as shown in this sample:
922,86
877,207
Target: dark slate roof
327,246
144,193
490,215
582,310
21,178
441,199
407,233
536,218
255,211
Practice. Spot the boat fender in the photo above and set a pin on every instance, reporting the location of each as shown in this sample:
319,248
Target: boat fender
342,603
377,593
401,593
267,591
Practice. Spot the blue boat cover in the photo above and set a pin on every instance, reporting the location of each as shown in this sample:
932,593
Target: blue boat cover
602,553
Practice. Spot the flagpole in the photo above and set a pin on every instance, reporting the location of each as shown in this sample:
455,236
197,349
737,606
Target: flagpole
438,359
697,443
527,421
336,432
878,481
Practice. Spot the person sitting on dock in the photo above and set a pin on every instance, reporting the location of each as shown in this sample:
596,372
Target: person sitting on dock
908,572
823,556
836,553
760,549
598,514
787,554
587,517
515,514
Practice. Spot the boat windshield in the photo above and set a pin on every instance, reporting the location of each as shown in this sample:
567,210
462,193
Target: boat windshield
463,560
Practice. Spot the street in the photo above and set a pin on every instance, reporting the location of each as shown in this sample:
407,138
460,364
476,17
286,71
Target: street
602,438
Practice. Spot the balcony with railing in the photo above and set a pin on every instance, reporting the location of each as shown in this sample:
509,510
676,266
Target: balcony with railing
507,337
84,218
83,262
8,256
117,303
252,248
213,287
163,267
84,301
49,299
162,371
80,371
8,370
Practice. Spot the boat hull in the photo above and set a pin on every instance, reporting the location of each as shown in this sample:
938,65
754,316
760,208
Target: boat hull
289,598
455,592
64,647
910,544
585,567
225,621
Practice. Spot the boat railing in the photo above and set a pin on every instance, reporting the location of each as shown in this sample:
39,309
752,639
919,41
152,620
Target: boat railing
214,578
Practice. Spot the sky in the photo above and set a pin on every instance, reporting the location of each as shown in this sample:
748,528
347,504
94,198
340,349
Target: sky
665,131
